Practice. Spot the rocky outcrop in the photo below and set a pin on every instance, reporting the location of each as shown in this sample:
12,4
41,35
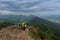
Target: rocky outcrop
14,33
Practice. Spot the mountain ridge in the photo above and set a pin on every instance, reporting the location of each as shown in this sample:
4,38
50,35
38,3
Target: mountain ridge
48,23
53,18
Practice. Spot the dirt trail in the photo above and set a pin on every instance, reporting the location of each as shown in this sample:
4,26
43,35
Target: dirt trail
14,33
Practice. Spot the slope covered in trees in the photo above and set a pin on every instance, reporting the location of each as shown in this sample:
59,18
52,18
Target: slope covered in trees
50,24
43,29
5,24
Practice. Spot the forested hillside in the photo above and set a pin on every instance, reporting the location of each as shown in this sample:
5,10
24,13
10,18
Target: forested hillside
43,29
48,23
5,24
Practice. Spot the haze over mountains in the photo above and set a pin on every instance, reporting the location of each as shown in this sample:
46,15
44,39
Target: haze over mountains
17,18
53,18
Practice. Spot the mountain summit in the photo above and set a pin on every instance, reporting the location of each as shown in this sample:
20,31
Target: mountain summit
14,33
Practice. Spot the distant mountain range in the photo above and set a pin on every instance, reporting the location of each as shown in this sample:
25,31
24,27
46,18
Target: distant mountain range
30,19
15,18
53,18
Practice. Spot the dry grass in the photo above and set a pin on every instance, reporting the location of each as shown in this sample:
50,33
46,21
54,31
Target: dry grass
14,33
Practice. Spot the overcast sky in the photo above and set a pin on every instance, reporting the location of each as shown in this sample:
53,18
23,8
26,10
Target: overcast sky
29,6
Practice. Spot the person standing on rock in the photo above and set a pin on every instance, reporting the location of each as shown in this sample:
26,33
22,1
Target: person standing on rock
22,25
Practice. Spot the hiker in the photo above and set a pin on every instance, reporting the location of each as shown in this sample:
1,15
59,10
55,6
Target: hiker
22,25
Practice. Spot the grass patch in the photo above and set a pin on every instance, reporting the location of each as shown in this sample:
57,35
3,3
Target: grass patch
34,33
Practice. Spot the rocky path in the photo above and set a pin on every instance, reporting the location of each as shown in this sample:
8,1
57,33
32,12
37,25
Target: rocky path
14,33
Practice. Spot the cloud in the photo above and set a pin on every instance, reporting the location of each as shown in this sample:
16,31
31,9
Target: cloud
28,13
30,5
5,12
18,5
50,5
